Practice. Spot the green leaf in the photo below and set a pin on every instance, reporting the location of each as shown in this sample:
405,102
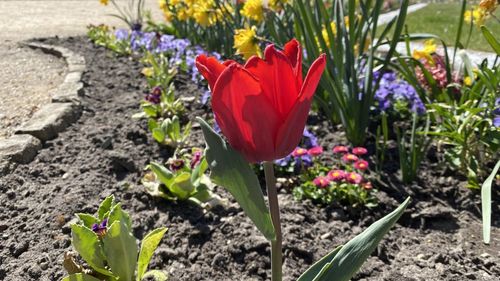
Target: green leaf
182,186
117,214
354,253
486,203
491,39
121,250
80,277
317,267
148,246
87,244
105,207
88,220
164,175
158,135
230,170
157,275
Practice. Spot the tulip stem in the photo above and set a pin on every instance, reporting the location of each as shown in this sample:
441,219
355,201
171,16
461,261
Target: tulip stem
272,195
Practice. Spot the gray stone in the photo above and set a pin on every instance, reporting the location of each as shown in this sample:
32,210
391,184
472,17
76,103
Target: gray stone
19,148
51,119
76,67
68,92
74,59
73,77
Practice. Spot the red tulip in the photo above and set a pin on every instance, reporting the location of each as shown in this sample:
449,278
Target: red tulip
262,107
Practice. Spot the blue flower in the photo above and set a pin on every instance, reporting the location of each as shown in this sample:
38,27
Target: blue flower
496,121
392,89
121,34
310,140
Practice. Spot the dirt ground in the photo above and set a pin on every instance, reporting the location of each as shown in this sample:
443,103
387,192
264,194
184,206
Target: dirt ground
437,239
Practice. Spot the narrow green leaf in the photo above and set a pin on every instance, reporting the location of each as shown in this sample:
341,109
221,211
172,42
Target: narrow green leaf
88,220
354,253
80,277
230,170
105,207
157,275
87,244
491,39
317,267
148,246
486,203
121,250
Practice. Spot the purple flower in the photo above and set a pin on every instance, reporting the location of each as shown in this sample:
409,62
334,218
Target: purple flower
146,41
196,158
121,34
283,161
205,97
100,229
310,140
154,96
496,121
392,89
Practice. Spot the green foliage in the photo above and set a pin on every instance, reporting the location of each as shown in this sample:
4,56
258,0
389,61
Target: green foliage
466,127
486,203
230,170
348,86
106,244
185,179
169,132
101,36
345,261
412,148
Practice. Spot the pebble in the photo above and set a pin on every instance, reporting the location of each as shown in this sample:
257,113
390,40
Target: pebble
16,249
44,265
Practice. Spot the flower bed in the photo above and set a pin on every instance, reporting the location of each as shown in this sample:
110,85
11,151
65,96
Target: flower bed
105,151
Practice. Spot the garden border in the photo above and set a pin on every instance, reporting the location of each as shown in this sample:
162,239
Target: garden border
51,119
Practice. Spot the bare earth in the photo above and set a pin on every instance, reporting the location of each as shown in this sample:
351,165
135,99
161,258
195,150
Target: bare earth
27,76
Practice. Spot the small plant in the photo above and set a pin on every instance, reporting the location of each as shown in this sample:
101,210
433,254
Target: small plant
169,132
105,242
117,42
184,179
344,182
158,104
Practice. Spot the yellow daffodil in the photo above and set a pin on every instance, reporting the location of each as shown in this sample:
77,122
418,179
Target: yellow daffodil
426,53
104,2
488,5
254,10
277,5
477,16
246,42
204,13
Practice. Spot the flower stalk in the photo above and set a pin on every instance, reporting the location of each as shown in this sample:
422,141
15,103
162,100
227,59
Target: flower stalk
276,245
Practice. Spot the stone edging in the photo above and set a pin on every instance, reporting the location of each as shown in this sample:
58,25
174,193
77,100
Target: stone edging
50,119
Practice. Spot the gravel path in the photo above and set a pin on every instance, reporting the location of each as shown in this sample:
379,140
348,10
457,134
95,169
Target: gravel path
27,76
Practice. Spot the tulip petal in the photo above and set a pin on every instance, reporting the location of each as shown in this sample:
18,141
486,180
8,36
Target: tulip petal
294,53
312,78
244,114
277,79
291,131
211,68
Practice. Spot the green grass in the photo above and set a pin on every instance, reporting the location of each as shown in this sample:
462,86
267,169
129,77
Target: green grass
442,20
